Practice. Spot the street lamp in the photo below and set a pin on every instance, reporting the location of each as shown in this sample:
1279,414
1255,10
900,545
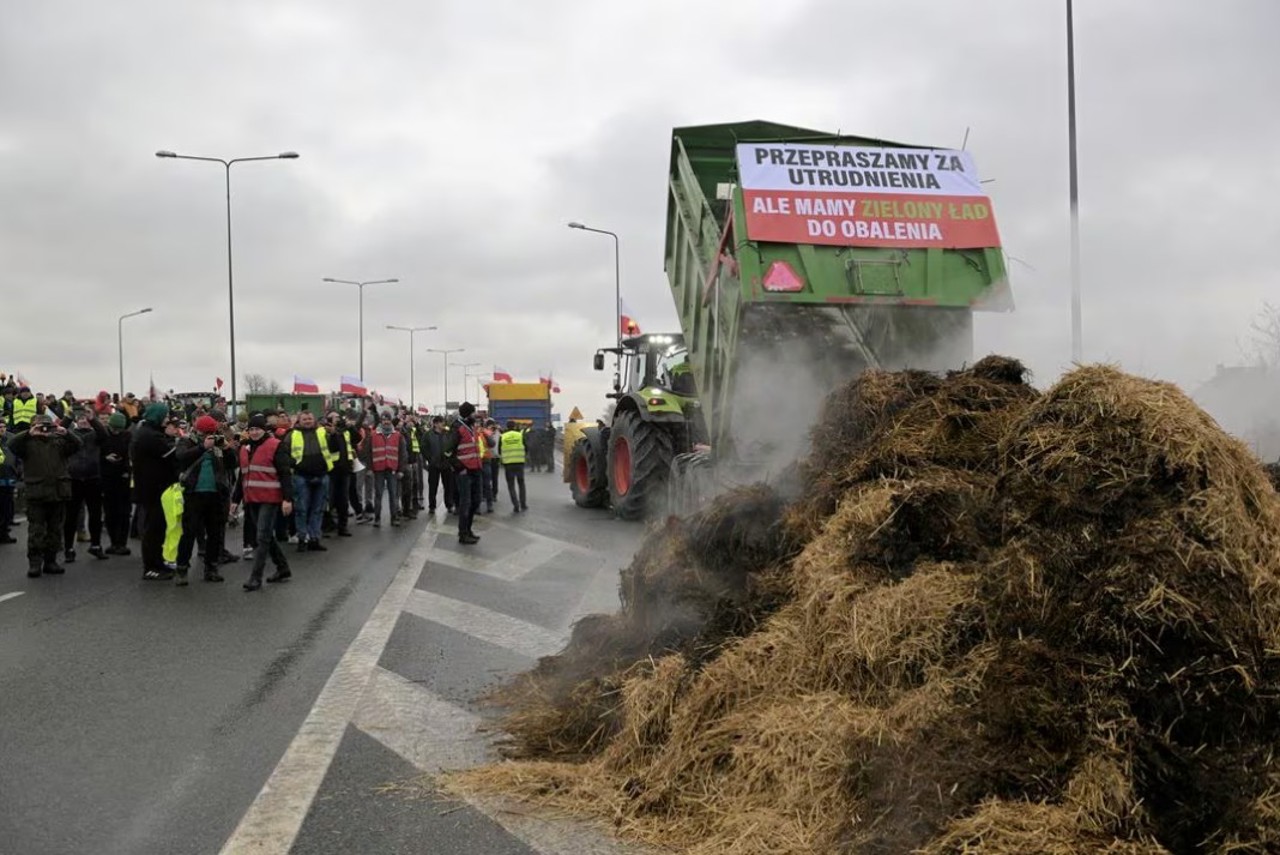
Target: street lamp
617,296
120,340
466,378
446,353
231,300
410,331
1077,332
361,286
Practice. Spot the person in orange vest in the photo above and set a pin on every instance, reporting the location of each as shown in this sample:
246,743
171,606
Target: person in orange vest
386,449
266,488
465,450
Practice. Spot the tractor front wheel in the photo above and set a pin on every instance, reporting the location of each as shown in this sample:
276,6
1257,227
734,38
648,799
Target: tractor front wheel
588,477
640,456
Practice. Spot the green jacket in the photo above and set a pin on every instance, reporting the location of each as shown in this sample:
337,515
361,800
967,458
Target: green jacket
44,464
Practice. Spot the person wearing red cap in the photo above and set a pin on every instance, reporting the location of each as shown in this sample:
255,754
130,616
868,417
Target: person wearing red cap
207,466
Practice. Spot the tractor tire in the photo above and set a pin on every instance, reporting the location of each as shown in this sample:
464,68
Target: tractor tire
640,455
588,475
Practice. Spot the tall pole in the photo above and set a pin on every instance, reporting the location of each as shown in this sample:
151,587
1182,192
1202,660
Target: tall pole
617,296
360,286
120,342
231,305
1077,333
412,386
445,354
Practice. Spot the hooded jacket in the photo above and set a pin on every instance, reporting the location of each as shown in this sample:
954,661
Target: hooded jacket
114,442
151,454
86,463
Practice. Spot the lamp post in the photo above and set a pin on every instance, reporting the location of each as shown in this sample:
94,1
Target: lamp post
361,285
466,377
445,353
120,341
617,296
1077,331
231,299
410,330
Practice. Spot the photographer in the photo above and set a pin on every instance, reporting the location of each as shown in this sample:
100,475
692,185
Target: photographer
207,466
44,451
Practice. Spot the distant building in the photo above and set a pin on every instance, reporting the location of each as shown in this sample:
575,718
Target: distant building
1245,401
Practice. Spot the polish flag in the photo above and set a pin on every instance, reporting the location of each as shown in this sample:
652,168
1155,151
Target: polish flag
217,383
502,376
353,386
555,387
628,321
304,384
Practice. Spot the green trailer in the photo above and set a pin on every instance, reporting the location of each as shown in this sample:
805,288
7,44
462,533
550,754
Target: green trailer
291,403
796,259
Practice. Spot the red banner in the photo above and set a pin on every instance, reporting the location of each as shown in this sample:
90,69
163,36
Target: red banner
870,219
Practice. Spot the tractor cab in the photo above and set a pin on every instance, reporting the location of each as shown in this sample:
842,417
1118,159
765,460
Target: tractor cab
653,360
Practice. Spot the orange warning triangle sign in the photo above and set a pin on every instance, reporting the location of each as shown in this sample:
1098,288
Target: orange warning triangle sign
576,415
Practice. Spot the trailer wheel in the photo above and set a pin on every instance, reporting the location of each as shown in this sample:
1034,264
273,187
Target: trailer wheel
640,455
588,477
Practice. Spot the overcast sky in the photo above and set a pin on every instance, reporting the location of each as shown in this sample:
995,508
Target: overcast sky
447,144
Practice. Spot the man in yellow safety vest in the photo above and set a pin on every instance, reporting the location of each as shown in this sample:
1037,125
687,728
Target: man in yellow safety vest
512,450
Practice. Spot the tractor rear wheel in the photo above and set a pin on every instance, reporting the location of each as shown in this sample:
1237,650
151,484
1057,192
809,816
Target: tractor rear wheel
640,455
588,477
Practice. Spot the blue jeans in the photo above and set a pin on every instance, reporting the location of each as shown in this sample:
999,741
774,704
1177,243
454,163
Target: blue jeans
385,482
310,493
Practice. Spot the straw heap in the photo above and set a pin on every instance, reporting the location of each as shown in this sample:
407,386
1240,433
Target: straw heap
994,621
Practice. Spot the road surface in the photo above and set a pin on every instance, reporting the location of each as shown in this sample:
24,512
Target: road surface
143,718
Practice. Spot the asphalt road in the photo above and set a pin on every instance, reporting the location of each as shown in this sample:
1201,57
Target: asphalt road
143,718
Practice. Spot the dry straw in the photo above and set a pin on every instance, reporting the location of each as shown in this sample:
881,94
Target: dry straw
993,621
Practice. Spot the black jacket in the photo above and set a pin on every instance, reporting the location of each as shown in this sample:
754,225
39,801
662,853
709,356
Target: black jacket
433,450
314,441
190,455
114,443
154,468
86,464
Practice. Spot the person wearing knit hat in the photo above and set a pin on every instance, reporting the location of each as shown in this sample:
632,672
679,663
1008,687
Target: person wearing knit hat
465,454
266,489
207,468
117,504
154,470
44,451
85,469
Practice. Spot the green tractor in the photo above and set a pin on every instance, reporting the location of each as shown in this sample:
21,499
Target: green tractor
626,463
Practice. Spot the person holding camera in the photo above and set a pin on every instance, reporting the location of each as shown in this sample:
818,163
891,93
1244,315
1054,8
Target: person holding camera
44,451
340,477
207,466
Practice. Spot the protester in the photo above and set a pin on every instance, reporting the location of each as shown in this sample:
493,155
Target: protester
266,489
44,451
492,463
23,410
207,467
85,468
313,451
385,449
464,449
439,472
9,474
340,475
115,469
154,469
513,457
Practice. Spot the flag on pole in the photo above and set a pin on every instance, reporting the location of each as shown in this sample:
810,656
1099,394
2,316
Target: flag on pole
152,393
354,386
545,379
628,320
501,375
305,385
217,384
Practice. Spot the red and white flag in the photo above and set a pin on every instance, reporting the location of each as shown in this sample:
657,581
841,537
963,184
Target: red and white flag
627,320
305,385
501,375
353,386
217,383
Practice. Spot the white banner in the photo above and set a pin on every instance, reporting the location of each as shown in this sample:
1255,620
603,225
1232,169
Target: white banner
857,169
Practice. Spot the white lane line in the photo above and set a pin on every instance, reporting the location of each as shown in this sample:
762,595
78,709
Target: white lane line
436,735
511,633
508,568
273,820
423,728
4,597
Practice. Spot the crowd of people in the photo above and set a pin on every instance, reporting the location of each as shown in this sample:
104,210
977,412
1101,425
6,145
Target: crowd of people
177,476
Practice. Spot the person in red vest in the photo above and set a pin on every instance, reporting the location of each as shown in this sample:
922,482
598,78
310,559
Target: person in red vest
386,451
464,449
266,489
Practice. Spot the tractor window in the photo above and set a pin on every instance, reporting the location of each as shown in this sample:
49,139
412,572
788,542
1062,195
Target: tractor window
673,371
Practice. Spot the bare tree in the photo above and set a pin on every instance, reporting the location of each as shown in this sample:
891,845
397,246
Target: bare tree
1265,336
261,384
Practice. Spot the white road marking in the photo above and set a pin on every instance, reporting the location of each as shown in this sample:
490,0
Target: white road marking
435,735
503,630
273,820
510,567
4,597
